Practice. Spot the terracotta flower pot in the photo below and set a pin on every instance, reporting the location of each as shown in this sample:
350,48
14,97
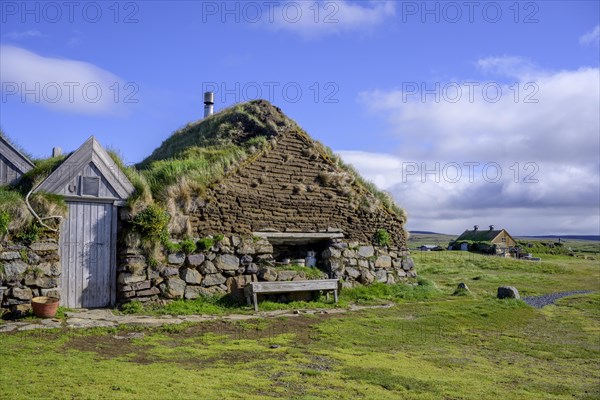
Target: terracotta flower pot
44,307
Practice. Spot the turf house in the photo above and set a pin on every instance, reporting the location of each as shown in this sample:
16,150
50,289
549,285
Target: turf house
243,195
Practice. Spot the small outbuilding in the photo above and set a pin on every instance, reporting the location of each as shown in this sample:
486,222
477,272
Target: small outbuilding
93,187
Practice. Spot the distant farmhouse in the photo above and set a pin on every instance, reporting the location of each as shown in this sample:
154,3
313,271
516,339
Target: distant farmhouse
429,247
491,241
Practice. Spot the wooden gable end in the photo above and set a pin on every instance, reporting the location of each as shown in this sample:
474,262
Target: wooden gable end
89,173
13,164
503,239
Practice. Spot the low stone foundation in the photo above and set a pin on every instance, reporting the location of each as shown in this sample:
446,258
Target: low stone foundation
27,271
231,263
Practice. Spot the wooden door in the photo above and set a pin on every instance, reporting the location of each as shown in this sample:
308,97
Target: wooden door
87,242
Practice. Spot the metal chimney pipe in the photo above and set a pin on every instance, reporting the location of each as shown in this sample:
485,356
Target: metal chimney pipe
209,102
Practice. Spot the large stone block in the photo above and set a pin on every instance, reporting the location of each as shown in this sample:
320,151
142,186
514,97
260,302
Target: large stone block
383,262
246,247
195,260
352,272
14,270
21,293
213,280
40,281
44,246
227,262
236,285
149,292
126,278
408,264
366,251
267,274
366,277
140,285
191,276
251,269
51,292
349,253
10,255
176,258
245,260
208,268
381,275
50,268
169,271
174,288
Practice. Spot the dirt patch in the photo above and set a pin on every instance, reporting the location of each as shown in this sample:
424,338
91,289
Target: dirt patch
118,345
109,346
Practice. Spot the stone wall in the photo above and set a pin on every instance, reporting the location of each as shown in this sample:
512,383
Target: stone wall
235,261
27,271
293,186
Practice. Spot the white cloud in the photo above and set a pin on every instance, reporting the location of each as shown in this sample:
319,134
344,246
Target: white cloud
312,19
24,35
591,38
510,66
559,135
56,83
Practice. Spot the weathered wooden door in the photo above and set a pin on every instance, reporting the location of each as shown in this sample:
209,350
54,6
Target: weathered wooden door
87,241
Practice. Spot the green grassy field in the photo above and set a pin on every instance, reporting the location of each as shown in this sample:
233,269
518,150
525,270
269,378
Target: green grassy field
430,345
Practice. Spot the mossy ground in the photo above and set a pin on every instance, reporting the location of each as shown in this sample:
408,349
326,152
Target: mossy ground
452,347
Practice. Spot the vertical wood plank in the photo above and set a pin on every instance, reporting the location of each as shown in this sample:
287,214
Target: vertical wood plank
64,259
100,268
81,253
112,248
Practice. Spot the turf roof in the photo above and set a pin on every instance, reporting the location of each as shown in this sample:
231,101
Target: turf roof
204,151
479,235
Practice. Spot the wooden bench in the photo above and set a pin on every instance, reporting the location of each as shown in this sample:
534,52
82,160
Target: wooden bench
254,288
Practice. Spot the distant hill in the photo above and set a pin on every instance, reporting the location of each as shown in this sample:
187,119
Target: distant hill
565,237
429,233
568,237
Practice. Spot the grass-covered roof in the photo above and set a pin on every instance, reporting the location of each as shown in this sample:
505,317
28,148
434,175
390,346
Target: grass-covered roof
479,235
204,151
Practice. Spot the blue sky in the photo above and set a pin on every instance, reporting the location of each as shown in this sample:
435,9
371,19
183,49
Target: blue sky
408,92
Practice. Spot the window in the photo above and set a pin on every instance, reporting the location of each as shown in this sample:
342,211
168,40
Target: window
90,186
